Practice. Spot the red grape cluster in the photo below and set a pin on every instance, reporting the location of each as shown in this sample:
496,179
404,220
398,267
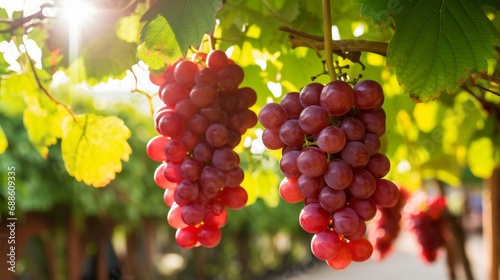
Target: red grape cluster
385,227
204,116
422,216
329,136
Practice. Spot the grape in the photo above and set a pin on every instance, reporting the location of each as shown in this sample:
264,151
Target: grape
161,180
288,164
203,152
157,80
250,94
186,190
372,143
224,159
291,133
386,227
355,154
251,118
172,172
203,119
209,236
310,94
337,98
331,139
187,237
353,128
174,217
378,165
185,109
342,259
170,124
234,177
359,233
168,197
291,104
206,76
422,216
374,121
325,244
234,198
216,135
345,221
365,208
203,95
313,119
198,124
312,162
155,148
229,78
331,200
289,191
175,151
184,73
212,219
386,193
271,139
272,116
217,60
338,175
309,187
313,218
368,94
362,185
361,249
192,214
191,168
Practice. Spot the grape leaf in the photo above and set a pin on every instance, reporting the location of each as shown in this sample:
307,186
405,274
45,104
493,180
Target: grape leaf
175,25
44,125
436,45
93,147
482,157
3,141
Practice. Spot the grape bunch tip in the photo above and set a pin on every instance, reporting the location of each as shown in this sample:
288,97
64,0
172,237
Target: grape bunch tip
205,113
329,136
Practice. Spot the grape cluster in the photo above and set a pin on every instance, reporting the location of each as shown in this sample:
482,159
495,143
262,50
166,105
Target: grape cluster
329,136
385,227
422,215
204,116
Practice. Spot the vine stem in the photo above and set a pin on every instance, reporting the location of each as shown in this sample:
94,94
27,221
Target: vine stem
46,92
327,30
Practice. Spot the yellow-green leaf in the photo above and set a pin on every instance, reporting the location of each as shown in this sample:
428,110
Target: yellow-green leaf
481,157
93,147
3,141
44,126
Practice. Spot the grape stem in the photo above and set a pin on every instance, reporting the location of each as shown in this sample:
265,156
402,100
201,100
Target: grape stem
327,30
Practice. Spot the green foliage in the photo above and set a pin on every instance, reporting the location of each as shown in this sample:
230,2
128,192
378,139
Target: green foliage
436,46
173,26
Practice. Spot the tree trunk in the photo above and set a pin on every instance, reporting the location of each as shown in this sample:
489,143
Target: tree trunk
491,224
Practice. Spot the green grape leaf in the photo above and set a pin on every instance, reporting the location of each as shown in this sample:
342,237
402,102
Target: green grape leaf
93,69
175,25
93,147
3,141
436,45
128,28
